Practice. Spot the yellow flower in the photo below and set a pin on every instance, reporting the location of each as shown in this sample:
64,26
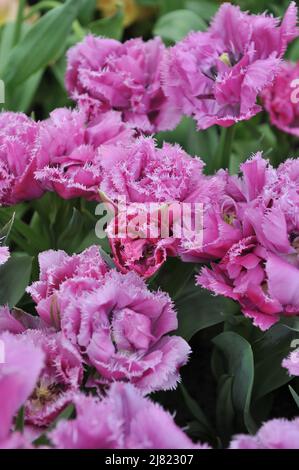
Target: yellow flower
132,11
8,10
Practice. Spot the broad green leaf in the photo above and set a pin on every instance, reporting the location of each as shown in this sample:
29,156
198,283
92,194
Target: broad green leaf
198,309
269,352
225,412
72,235
92,239
178,135
6,229
217,364
270,375
294,395
291,323
6,43
87,11
202,144
23,234
41,229
21,97
197,434
196,411
41,44
250,138
111,27
173,277
67,222
170,5
205,9
59,69
261,409
240,366
148,3
14,278
175,25
48,207
277,9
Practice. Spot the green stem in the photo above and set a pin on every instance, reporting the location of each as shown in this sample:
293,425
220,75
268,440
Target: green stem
44,5
19,21
78,30
223,154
